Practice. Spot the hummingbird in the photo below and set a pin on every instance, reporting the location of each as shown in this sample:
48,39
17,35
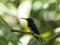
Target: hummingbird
32,26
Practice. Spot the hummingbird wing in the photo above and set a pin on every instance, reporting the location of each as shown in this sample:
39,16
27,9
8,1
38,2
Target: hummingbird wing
33,28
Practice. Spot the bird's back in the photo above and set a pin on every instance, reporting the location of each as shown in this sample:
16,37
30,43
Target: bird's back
33,27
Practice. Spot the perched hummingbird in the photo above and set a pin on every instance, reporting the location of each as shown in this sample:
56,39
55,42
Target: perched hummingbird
32,25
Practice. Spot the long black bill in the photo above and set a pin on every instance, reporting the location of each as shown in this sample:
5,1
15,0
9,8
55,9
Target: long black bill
23,18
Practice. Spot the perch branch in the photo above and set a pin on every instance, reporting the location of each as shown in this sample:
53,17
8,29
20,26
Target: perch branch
30,33
54,37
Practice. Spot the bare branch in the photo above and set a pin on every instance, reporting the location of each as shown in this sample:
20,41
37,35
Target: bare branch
54,37
30,33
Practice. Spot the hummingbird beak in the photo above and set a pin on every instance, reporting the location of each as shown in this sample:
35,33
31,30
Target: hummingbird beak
23,18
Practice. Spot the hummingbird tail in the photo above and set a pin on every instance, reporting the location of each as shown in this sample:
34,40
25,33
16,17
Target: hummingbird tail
37,38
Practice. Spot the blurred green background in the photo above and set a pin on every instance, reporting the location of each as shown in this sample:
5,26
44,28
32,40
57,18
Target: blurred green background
45,13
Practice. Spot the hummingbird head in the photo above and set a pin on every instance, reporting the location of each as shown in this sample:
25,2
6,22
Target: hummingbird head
28,19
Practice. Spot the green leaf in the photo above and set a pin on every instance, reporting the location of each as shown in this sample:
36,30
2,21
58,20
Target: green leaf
58,15
46,34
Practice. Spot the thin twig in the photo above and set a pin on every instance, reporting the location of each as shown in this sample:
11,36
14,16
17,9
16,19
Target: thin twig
30,33
5,22
48,42
54,37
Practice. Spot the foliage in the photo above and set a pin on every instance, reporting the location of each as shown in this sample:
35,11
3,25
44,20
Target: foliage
46,16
